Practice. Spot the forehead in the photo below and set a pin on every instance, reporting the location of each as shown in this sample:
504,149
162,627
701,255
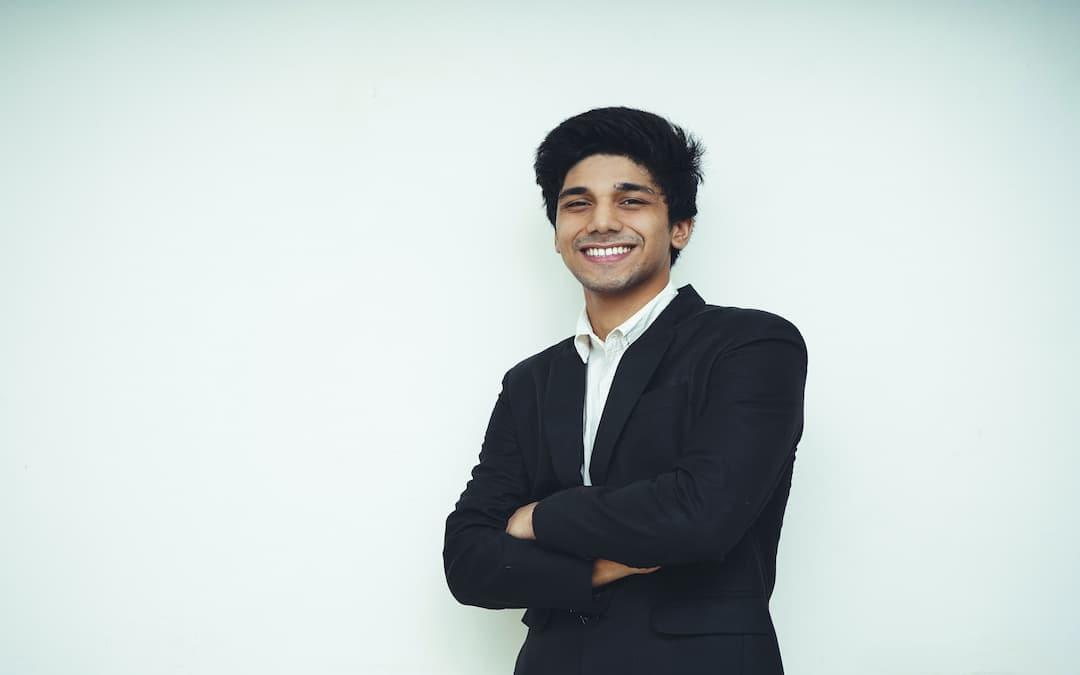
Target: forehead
604,171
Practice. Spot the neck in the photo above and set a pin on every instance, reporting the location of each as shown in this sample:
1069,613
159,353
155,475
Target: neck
608,310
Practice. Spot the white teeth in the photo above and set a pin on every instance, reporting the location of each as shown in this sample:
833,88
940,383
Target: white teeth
612,250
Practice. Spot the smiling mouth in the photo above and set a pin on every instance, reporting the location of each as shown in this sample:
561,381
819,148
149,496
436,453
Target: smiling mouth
602,254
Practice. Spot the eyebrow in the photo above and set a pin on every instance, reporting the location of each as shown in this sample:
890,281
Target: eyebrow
633,187
572,191
619,187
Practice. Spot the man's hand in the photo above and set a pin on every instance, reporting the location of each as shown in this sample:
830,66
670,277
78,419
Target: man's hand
520,524
606,571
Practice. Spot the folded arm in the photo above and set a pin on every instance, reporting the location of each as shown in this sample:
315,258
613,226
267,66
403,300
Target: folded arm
483,564
729,467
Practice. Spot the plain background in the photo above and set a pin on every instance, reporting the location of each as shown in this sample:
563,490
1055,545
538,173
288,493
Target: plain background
263,266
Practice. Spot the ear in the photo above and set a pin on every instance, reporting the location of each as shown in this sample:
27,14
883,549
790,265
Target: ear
680,232
555,236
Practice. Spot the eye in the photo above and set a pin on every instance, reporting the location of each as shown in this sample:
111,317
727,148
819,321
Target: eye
574,204
634,202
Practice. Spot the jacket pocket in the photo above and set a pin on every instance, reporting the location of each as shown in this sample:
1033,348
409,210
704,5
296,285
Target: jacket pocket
536,617
698,616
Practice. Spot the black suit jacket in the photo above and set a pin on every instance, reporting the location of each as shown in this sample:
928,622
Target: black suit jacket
691,470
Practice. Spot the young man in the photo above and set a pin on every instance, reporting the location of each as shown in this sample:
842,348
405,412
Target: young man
632,480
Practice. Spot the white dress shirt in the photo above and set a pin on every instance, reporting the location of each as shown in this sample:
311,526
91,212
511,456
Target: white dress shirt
602,358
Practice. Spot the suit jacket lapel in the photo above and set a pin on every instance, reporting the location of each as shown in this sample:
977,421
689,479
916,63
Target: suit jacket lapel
634,372
564,400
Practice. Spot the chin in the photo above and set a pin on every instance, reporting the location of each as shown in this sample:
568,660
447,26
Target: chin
610,285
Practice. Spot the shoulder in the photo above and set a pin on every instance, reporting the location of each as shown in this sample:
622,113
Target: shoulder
534,368
742,344
740,324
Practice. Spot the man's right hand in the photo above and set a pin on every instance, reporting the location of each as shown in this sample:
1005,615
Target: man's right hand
606,571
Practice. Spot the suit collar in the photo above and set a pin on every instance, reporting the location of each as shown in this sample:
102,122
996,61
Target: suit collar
585,338
564,399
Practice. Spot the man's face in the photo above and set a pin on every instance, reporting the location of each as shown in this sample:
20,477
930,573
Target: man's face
611,226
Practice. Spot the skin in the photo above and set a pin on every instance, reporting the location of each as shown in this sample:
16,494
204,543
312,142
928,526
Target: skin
609,200
597,208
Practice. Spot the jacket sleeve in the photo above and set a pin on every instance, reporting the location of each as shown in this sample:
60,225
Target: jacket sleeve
485,566
729,466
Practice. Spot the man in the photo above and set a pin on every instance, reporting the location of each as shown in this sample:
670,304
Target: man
632,480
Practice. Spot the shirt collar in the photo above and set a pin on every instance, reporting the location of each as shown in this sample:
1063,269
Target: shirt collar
629,330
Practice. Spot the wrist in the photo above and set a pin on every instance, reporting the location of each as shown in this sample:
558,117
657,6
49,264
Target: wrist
533,520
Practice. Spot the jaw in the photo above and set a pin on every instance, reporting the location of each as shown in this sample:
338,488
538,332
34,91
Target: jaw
607,278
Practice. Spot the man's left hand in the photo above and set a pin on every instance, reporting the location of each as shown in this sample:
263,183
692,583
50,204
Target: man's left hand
520,524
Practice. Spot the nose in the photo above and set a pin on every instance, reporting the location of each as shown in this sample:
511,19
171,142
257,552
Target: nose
604,218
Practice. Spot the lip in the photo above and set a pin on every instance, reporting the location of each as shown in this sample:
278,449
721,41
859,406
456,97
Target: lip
606,260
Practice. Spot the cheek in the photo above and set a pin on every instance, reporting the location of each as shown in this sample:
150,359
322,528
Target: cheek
564,239
659,240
